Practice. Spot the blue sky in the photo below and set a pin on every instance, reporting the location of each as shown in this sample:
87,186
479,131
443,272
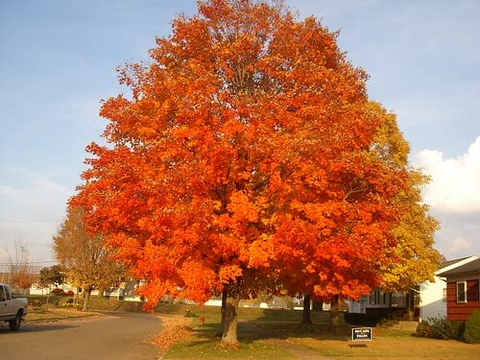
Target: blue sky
58,60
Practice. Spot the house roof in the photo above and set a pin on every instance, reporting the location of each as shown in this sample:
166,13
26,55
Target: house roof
470,267
454,263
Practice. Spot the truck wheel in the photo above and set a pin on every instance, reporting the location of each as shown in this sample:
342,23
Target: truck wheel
15,323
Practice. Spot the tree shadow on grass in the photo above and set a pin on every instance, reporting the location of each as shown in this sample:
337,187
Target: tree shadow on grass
255,330
283,324
259,330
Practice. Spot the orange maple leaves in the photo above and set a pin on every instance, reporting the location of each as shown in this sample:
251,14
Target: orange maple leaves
243,158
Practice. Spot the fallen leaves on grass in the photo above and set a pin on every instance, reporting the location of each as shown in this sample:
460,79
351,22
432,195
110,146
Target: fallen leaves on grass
227,347
40,316
176,328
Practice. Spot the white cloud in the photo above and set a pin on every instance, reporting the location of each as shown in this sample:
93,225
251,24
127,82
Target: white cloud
459,245
6,191
454,198
32,198
455,183
458,234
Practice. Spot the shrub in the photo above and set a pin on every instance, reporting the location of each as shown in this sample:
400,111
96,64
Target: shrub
440,328
57,292
472,328
190,314
36,302
424,329
69,293
71,305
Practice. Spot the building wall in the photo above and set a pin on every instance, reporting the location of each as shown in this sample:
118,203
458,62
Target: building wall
377,299
432,300
462,310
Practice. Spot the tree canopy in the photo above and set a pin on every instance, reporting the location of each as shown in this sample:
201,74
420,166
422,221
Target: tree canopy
88,262
48,276
415,259
246,159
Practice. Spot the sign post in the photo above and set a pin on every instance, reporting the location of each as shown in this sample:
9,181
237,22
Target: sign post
362,334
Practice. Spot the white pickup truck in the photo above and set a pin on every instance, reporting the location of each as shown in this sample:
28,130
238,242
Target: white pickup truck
12,309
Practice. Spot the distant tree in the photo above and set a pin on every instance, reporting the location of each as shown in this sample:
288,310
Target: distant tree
50,276
19,259
87,261
23,279
20,275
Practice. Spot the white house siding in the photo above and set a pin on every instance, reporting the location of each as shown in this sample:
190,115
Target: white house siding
432,300
36,290
358,306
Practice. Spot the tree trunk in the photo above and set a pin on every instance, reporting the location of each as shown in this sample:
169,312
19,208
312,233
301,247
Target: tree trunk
100,292
86,299
410,304
224,307
229,336
75,296
317,305
334,313
306,319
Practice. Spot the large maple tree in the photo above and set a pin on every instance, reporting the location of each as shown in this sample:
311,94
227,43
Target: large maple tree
243,160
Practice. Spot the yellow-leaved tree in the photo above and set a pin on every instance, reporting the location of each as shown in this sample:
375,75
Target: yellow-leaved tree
416,260
87,261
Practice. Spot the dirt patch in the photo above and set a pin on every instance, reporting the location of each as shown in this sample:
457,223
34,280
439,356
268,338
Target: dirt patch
176,328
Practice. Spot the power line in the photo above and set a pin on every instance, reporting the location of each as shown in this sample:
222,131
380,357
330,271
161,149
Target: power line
30,263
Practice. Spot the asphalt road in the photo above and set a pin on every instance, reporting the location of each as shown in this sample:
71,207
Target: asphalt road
117,336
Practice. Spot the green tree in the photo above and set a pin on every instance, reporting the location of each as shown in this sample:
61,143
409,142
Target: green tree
50,276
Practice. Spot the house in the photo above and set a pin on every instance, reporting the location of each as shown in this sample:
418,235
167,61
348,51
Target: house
433,294
427,299
378,301
463,290
126,290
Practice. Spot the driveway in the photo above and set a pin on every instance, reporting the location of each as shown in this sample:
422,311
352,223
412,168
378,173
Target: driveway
117,336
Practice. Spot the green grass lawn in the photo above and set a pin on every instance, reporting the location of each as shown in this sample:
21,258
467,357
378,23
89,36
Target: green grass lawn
277,334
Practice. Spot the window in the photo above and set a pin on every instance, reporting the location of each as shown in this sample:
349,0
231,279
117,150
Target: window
2,294
444,298
379,297
7,292
461,292
385,298
472,290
